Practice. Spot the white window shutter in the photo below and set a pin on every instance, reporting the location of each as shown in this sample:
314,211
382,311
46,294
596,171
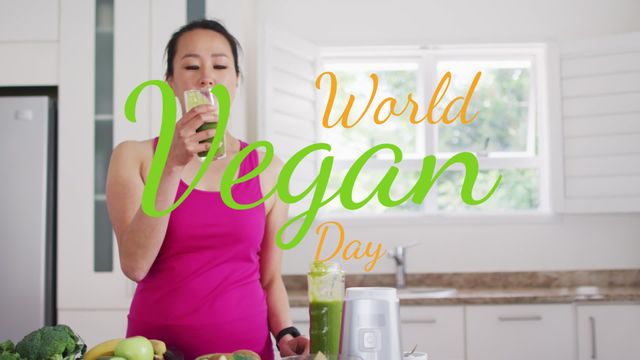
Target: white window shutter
287,102
600,80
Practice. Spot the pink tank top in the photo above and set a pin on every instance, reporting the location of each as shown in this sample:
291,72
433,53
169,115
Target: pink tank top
203,292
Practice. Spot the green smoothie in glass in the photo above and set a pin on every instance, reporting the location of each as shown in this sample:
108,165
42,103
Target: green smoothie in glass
193,98
326,297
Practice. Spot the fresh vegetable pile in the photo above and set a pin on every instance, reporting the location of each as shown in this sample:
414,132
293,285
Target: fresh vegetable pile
132,348
57,342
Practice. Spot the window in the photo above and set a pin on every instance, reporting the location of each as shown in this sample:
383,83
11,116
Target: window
505,137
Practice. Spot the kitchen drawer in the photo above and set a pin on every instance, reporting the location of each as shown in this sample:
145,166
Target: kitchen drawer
436,330
523,332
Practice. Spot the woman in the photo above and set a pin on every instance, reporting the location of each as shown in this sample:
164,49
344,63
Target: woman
208,276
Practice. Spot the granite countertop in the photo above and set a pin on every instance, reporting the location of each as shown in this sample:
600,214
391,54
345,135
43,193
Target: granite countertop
511,296
502,288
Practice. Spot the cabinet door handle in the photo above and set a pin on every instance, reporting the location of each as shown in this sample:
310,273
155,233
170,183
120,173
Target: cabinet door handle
420,321
594,350
520,318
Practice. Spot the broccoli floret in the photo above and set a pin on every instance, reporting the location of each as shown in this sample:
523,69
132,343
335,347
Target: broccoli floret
7,346
8,351
10,356
50,342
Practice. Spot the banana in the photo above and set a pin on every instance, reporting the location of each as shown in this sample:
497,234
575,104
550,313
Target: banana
106,348
159,347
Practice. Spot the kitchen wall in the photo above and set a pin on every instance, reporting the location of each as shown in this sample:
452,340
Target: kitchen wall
558,242
561,242
411,22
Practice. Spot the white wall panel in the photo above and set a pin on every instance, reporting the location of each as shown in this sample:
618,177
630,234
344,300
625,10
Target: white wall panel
29,63
30,20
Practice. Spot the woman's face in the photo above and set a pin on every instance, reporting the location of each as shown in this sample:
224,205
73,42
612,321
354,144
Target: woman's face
203,59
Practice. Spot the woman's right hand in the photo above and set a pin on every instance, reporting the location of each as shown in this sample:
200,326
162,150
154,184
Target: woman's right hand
186,140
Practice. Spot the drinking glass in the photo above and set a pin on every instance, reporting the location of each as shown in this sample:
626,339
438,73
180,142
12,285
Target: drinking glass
193,98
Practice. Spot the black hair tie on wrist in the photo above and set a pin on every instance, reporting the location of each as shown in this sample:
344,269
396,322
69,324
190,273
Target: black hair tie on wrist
291,330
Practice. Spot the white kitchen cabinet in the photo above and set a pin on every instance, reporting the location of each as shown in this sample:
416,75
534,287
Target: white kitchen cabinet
88,273
29,21
29,43
86,122
436,330
608,331
523,332
300,318
95,326
22,63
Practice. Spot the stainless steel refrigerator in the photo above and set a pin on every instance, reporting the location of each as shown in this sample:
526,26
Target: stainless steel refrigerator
27,214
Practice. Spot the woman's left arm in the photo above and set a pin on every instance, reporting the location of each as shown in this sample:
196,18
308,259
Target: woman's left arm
271,278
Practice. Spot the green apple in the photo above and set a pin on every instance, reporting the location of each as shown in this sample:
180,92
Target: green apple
135,348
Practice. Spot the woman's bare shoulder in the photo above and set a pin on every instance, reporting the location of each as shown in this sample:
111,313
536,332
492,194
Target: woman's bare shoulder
135,149
133,154
274,166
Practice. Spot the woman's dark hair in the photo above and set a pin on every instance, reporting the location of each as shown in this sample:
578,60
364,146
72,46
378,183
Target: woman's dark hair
205,24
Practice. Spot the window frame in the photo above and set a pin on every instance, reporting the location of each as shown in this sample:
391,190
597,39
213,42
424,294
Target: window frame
428,58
